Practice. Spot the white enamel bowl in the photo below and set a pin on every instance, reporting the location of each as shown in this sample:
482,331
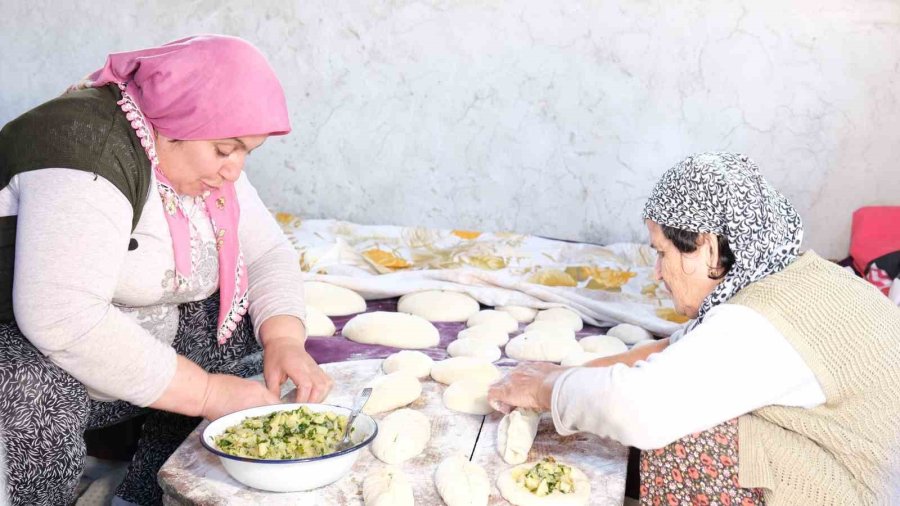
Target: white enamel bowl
290,475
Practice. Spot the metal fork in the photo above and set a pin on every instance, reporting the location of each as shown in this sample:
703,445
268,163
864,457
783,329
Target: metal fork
358,404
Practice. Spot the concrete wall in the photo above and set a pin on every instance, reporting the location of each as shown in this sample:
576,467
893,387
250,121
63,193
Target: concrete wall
545,117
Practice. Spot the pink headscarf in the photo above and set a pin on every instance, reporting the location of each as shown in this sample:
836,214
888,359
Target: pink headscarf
202,88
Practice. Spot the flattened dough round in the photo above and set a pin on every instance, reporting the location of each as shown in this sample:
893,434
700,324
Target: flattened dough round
439,305
603,345
555,330
392,391
462,483
317,324
520,313
520,496
454,369
516,433
387,486
411,362
471,347
468,396
487,333
628,333
333,300
498,319
402,435
537,347
579,358
399,330
562,315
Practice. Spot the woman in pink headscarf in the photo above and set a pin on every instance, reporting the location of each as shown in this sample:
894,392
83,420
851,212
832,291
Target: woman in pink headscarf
138,266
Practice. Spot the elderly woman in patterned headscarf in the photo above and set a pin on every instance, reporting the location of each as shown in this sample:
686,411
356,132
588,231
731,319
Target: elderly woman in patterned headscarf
785,386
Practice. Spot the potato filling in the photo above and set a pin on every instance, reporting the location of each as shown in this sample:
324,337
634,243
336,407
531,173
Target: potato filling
546,477
284,435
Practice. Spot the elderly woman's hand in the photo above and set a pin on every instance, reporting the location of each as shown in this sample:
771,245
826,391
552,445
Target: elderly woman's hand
529,385
284,356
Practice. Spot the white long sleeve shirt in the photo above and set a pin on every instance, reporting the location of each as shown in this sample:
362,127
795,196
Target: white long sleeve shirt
734,362
108,315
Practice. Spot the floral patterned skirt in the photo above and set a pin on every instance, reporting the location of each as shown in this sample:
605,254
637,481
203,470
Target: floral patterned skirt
698,469
44,412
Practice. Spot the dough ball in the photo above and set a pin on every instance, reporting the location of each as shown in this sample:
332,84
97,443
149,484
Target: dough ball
317,324
487,333
333,300
471,347
454,369
537,347
643,343
462,483
579,358
439,306
415,363
468,396
561,315
628,333
516,434
555,330
387,486
520,313
498,319
399,330
511,488
603,345
402,435
392,391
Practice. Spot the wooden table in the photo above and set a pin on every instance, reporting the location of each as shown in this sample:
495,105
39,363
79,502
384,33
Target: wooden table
193,476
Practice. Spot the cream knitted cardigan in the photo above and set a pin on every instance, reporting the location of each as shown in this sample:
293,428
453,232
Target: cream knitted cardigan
846,451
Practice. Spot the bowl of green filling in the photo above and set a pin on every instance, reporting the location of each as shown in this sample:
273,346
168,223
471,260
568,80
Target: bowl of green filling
287,447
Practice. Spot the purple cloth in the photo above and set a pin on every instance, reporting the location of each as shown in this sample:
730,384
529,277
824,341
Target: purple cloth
340,349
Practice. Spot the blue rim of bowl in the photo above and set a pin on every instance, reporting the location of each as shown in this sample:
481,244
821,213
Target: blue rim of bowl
353,448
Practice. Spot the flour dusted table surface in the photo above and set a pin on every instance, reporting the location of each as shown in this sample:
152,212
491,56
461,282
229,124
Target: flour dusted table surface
193,476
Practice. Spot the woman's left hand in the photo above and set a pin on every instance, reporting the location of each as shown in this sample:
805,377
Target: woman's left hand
529,385
286,357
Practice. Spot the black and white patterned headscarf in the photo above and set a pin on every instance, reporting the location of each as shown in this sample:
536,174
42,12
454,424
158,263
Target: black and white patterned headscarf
724,193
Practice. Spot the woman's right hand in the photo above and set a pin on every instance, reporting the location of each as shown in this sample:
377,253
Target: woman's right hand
529,385
195,392
226,394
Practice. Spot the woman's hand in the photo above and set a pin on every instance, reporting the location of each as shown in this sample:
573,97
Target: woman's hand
226,394
529,385
195,392
286,357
